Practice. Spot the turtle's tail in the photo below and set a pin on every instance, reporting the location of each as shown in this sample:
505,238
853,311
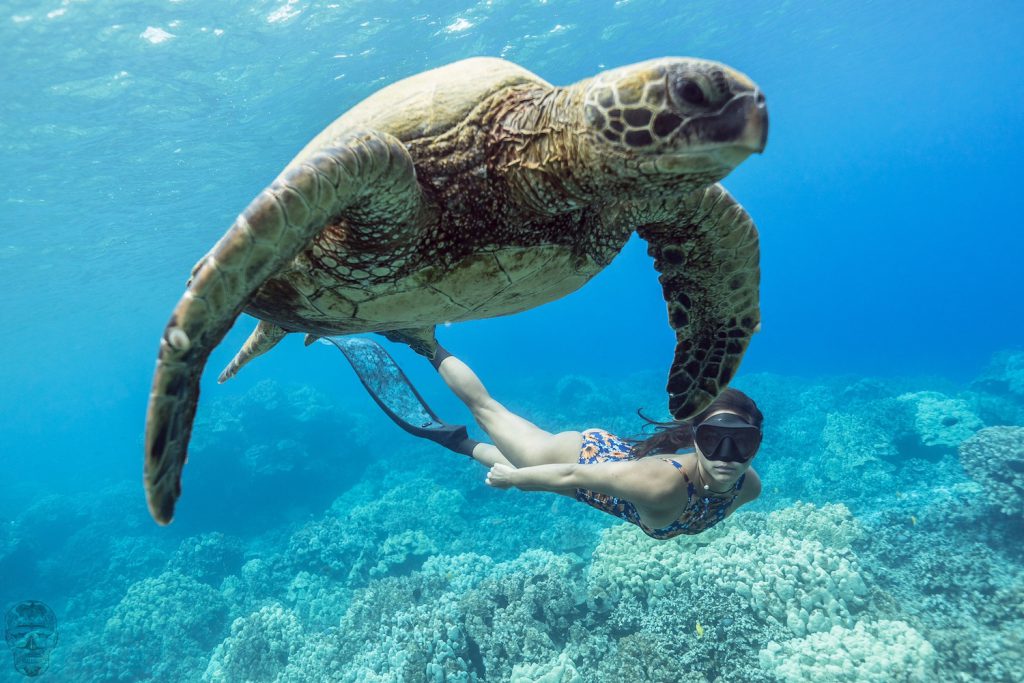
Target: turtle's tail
263,338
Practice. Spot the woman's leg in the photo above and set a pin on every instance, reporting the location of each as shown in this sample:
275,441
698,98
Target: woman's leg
521,442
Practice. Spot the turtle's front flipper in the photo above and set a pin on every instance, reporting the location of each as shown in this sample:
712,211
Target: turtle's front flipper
360,173
708,259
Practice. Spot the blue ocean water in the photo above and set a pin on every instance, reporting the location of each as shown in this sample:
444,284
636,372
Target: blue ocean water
888,203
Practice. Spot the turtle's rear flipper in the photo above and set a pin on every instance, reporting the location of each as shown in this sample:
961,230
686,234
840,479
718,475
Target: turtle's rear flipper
263,338
396,395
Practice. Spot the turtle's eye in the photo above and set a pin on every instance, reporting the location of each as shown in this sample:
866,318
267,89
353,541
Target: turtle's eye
689,92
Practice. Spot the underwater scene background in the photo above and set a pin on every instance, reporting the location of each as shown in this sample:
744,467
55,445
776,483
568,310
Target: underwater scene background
316,541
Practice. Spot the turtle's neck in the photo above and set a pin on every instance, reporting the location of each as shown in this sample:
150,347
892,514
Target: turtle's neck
541,152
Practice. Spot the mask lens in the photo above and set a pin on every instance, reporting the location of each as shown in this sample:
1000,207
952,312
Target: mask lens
707,437
745,440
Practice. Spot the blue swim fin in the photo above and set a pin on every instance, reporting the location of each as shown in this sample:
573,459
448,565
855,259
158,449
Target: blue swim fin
396,395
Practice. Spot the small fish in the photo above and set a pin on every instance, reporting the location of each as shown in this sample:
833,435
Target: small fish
700,630
913,520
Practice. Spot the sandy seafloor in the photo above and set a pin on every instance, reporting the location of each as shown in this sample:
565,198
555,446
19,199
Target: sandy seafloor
316,541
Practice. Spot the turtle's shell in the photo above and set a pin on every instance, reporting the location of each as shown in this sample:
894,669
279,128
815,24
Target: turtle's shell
427,104
335,287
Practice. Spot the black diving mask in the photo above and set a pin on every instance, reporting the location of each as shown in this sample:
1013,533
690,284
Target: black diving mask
727,438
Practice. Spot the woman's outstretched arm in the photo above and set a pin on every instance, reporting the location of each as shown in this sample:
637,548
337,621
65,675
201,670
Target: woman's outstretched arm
649,483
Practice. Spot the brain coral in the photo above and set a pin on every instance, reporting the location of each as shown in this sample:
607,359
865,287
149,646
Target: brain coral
994,457
882,652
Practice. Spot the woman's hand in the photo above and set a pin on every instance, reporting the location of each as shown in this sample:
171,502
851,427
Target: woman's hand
500,476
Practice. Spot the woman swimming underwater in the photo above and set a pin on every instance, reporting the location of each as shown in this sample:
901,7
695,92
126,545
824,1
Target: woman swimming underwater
644,482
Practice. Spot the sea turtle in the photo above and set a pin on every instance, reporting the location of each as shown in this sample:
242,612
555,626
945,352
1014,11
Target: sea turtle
475,190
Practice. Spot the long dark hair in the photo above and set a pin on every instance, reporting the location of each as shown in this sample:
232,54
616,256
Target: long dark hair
670,437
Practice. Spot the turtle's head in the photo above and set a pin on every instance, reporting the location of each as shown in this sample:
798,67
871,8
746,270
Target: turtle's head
683,119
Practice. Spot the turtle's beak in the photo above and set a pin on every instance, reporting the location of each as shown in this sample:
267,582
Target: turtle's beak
740,128
755,112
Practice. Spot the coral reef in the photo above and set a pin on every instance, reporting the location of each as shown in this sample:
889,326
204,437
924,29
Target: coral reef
317,599
172,616
856,447
208,558
523,609
872,652
274,437
372,537
258,583
994,457
401,627
1004,374
793,581
940,420
558,670
419,572
966,597
258,648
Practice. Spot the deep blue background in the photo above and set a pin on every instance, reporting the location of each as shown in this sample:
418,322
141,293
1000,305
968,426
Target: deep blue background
888,199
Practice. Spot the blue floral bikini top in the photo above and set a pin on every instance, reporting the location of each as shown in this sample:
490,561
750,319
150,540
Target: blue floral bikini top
700,513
